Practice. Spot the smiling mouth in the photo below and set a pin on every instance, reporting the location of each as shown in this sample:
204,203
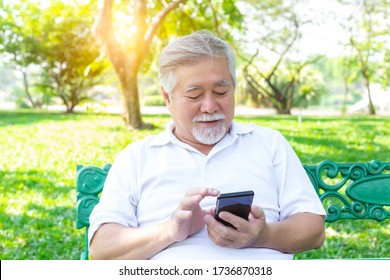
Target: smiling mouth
212,121
212,118
209,123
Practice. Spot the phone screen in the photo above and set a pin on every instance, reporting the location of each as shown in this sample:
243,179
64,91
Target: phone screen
237,203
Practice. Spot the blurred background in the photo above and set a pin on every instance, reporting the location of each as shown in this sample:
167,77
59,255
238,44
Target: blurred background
322,56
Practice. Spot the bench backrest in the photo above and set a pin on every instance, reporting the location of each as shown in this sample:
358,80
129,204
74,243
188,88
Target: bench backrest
90,181
347,191
352,190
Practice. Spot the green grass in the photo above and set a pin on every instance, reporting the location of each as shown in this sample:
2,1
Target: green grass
39,152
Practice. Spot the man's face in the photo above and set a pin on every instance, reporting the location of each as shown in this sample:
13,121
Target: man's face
202,103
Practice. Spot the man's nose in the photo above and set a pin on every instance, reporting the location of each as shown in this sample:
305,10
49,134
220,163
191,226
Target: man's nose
209,104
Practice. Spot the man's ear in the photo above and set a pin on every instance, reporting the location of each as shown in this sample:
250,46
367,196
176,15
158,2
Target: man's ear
167,98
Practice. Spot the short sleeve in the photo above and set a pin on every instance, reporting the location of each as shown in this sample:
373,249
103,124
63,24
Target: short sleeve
118,202
296,192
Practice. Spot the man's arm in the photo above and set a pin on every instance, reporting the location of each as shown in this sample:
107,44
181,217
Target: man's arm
115,241
300,232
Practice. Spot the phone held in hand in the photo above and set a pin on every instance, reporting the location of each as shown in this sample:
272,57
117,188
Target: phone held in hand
237,203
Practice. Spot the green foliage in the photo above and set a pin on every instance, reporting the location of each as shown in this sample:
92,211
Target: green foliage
276,75
222,17
19,23
368,37
219,16
57,38
293,84
153,100
40,151
342,79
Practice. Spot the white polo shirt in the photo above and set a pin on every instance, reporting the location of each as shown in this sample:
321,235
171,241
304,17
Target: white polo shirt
149,178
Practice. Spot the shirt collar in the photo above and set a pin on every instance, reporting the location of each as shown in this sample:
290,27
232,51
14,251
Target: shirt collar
239,128
167,136
164,137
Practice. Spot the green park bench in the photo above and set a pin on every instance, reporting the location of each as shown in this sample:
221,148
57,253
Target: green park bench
348,191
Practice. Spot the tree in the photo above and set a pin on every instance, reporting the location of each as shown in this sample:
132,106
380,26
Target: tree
71,57
279,79
349,73
17,43
148,20
368,37
283,86
57,38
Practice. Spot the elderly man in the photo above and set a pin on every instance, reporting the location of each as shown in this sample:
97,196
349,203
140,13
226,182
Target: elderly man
159,198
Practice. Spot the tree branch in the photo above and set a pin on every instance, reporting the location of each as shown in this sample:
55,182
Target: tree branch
102,27
103,31
157,20
283,54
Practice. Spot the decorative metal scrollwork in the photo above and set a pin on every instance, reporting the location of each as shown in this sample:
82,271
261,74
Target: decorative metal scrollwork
84,207
352,190
347,190
90,182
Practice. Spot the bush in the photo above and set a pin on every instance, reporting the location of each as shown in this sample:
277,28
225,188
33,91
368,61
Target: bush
153,100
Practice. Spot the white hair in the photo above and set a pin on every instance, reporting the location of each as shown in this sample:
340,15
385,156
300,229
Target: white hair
190,49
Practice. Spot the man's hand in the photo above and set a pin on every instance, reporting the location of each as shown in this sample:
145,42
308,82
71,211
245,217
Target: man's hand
299,232
189,216
246,234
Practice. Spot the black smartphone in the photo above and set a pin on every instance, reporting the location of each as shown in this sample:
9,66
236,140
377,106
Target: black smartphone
237,203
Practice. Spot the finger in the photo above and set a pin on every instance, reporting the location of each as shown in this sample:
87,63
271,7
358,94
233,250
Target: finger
221,239
213,225
190,202
209,220
210,211
238,222
257,212
203,192
219,233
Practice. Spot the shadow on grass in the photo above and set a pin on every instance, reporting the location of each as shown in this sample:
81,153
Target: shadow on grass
357,238
45,182
310,120
35,222
40,233
336,150
29,117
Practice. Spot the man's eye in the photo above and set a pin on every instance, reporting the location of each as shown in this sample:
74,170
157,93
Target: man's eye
193,97
221,93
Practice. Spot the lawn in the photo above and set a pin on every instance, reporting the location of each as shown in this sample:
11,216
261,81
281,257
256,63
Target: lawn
39,152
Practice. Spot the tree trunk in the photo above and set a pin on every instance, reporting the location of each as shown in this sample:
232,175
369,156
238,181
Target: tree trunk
284,108
70,108
132,112
127,64
346,92
371,107
27,90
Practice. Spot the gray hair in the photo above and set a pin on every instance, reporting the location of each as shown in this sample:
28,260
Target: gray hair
188,50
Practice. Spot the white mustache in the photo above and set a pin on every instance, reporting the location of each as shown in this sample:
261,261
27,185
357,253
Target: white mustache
209,117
